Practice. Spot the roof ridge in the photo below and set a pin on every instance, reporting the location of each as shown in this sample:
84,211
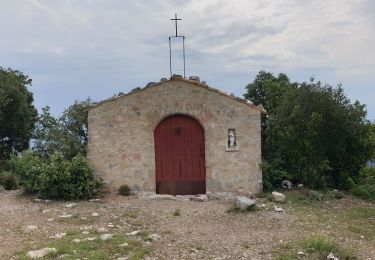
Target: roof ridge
199,84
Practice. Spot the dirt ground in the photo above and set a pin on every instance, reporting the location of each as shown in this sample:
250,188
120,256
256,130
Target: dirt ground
188,229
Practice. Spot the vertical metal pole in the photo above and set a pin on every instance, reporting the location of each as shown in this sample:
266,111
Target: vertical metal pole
183,48
170,57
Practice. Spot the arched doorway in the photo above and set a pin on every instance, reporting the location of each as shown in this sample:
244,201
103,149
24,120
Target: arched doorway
180,156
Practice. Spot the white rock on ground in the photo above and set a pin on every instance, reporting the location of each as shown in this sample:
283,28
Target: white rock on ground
331,256
102,230
286,184
95,200
86,228
30,229
71,205
58,236
277,209
161,197
77,240
41,252
201,198
95,214
136,232
124,245
64,215
242,202
154,237
278,197
106,237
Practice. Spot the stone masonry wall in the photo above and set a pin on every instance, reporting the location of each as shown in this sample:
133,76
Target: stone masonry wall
121,136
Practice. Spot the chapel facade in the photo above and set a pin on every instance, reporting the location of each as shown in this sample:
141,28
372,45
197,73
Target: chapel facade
177,136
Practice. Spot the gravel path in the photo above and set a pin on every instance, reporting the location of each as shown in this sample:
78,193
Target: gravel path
203,230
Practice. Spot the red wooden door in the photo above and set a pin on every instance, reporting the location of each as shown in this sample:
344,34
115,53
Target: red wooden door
180,156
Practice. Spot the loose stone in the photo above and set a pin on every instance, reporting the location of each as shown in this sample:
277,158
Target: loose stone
102,230
106,237
71,205
331,256
136,232
41,252
64,215
286,184
201,198
58,236
154,237
30,229
242,202
124,245
278,197
277,209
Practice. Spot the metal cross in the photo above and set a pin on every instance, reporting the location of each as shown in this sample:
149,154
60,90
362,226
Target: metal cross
175,20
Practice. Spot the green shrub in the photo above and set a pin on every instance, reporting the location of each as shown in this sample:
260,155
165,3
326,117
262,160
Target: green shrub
365,188
21,166
8,181
124,190
272,177
56,177
315,195
62,179
367,175
339,195
364,191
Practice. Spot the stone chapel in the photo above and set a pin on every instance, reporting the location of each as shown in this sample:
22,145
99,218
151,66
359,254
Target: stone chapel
177,137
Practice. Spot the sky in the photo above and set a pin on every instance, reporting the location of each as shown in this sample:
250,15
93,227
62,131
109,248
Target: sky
74,49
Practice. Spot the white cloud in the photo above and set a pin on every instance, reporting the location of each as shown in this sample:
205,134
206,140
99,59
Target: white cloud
81,45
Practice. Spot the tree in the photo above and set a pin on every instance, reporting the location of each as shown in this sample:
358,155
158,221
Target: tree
66,135
47,137
75,126
319,137
17,112
312,134
268,91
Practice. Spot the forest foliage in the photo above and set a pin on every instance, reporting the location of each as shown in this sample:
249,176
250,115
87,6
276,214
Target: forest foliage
311,133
